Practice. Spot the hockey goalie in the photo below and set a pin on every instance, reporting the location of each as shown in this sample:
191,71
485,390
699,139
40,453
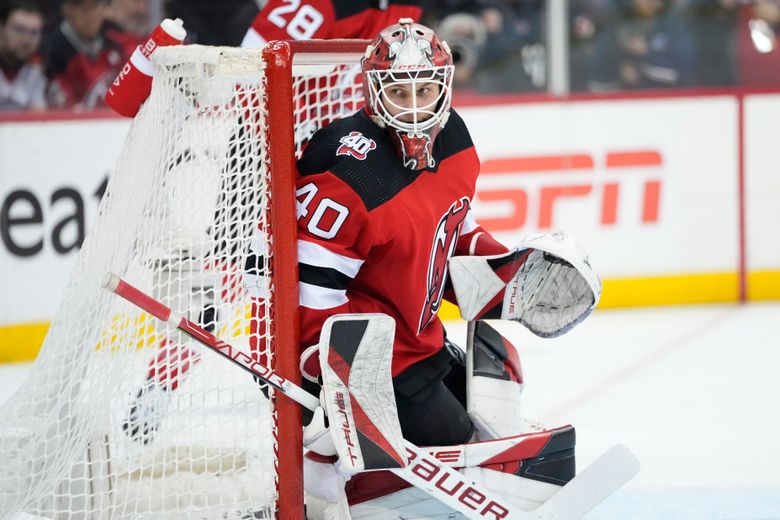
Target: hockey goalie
386,228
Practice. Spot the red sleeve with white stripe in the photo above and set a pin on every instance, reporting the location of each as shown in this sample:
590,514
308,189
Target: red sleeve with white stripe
333,243
286,20
475,241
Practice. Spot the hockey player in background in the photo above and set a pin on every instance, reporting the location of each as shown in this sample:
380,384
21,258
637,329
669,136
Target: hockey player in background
384,201
326,19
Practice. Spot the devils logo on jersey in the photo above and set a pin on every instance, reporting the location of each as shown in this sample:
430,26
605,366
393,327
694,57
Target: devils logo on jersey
356,144
444,241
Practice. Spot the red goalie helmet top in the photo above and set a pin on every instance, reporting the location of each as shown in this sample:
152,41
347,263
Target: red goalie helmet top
407,79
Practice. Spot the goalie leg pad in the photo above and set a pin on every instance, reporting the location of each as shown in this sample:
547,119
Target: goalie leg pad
494,384
355,359
526,470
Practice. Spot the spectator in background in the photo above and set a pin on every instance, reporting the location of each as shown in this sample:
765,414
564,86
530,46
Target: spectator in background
131,16
51,14
22,82
588,19
767,10
84,55
466,35
497,46
647,47
713,25
515,55
436,10
241,20
212,22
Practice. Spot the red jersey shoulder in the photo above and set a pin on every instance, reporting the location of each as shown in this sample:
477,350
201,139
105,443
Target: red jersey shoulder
454,138
350,139
362,155
330,214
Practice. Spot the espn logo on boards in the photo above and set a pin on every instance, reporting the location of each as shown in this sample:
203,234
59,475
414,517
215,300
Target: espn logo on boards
562,179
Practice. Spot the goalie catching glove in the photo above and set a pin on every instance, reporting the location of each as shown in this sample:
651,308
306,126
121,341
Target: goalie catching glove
547,284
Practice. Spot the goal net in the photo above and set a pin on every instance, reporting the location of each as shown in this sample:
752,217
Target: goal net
124,417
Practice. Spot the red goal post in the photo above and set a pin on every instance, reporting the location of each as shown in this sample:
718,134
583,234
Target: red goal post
280,58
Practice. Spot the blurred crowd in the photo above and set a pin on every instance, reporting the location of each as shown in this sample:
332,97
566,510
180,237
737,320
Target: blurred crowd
64,53
614,45
641,44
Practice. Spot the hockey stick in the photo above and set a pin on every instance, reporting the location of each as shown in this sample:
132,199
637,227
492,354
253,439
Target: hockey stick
424,471
164,313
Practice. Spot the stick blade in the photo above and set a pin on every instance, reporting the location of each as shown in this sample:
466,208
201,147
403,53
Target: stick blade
589,488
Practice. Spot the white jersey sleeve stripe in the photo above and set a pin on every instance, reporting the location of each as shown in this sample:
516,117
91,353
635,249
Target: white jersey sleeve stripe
314,254
469,223
317,297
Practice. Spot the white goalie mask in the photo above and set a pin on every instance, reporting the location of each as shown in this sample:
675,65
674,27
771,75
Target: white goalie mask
407,72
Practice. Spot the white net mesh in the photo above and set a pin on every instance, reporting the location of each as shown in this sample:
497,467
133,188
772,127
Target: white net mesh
124,417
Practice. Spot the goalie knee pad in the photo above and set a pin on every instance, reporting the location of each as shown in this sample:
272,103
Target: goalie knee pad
494,385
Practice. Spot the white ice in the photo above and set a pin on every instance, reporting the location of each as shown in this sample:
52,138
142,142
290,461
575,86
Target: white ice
693,391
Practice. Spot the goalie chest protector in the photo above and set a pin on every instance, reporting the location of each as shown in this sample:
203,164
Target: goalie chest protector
357,201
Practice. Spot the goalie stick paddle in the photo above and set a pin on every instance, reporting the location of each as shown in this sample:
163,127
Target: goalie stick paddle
610,471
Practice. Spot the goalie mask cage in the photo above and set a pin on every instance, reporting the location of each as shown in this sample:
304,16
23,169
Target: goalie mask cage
124,417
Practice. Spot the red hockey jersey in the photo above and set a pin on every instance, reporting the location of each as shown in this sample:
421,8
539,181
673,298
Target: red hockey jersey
326,19
375,236
79,75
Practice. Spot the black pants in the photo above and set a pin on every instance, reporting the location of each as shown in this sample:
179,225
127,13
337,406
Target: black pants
431,400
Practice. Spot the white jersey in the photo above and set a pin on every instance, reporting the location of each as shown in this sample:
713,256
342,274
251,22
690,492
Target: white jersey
25,91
